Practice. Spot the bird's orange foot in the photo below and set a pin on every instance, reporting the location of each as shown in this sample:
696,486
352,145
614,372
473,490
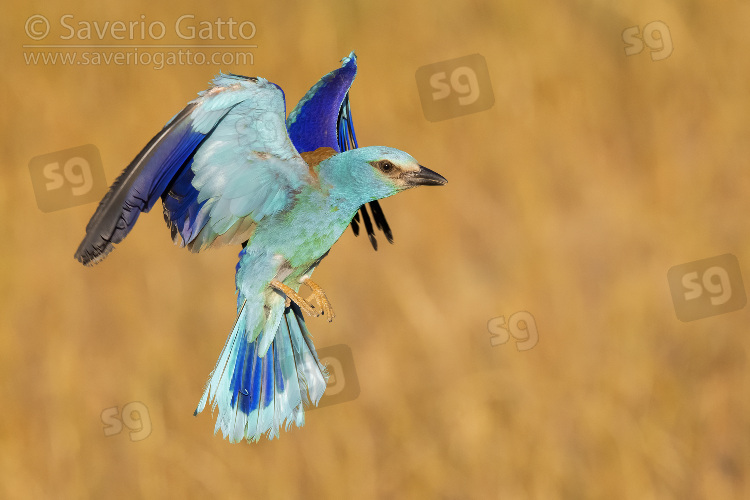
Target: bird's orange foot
292,296
321,299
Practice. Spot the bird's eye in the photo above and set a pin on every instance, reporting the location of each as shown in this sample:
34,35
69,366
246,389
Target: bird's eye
386,166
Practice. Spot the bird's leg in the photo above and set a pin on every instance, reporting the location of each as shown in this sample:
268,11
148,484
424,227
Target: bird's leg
294,296
320,298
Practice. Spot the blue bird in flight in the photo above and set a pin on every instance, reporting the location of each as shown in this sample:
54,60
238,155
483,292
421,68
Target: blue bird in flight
230,169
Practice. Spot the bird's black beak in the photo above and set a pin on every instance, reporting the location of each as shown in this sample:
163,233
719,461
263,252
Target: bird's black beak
425,177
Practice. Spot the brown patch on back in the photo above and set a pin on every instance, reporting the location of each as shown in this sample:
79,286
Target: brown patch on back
312,158
217,89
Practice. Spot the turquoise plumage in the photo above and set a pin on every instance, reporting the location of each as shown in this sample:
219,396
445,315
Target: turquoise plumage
228,172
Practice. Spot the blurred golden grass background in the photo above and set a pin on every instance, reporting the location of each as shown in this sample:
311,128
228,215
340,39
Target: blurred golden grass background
591,176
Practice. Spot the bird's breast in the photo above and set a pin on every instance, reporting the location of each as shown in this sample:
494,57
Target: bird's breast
304,235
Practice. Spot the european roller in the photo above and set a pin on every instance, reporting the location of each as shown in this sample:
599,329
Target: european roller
230,169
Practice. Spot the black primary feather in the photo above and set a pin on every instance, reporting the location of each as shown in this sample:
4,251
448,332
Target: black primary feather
134,190
348,140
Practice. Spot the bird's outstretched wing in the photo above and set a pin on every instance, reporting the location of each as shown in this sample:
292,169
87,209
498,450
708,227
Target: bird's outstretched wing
220,165
323,118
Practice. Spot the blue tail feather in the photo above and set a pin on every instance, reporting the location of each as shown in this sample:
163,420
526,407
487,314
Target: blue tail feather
258,395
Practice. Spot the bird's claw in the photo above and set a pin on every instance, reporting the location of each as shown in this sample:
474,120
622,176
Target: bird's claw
324,305
321,299
292,296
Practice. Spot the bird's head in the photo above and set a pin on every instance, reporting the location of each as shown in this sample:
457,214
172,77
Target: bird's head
374,172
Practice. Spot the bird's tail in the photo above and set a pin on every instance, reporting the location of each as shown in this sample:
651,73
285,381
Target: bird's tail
257,393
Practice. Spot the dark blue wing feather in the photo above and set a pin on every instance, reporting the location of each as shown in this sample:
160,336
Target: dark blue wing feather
314,122
139,186
323,118
181,206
